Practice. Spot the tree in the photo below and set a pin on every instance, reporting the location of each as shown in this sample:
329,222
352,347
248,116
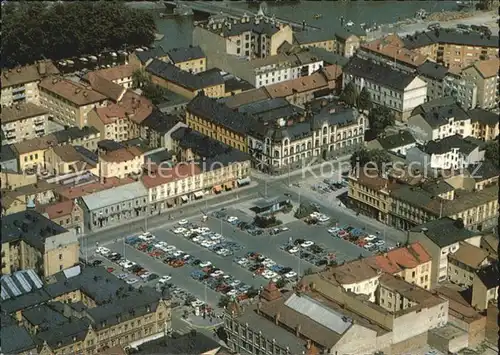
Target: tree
377,158
30,33
140,78
223,301
492,152
252,292
154,92
364,100
280,283
379,118
350,94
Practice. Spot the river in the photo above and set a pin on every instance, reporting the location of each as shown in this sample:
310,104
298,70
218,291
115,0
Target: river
178,30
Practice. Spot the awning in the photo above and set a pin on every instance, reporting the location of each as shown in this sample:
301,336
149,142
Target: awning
198,194
217,188
184,198
243,182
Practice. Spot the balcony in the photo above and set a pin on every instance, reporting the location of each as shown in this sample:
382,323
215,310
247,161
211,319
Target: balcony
18,90
18,97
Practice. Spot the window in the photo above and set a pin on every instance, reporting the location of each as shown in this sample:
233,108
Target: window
60,256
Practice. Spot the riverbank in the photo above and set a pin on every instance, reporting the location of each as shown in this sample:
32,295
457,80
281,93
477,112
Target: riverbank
411,26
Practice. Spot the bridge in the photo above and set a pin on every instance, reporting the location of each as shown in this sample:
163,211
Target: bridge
216,8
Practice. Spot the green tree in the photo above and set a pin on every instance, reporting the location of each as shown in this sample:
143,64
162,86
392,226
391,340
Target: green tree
492,152
223,301
252,292
376,158
350,94
140,77
154,92
280,283
379,118
364,100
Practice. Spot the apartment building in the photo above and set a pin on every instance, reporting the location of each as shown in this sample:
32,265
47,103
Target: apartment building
465,262
158,127
114,205
30,153
111,121
68,214
121,74
8,159
485,125
11,179
484,73
397,143
77,312
400,92
69,102
20,84
390,50
218,121
452,152
485,287
190,59
185,83
121,163
60,160
23,121
441,81
315,39
453,48
250,38
141,58
28,196
31,241
347,43
439,119
440,238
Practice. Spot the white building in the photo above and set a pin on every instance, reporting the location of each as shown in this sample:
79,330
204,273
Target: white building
400,92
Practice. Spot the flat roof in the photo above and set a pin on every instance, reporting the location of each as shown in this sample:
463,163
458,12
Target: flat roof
114,195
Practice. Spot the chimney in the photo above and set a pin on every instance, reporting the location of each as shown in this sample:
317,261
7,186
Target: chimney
277,318
42,68
309,344
297,330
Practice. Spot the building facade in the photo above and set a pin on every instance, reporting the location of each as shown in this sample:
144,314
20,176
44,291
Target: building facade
190,59
23,121
121,163
484,74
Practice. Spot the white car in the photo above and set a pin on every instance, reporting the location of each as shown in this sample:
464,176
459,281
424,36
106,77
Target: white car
284,229
232,219
169,248
178,253
242,261
307,244
333,230
269,275
293,250
379,243
369,238
204,229
205,264
235,283
123,262
145,275
216,236
206,244
232,293
197,303
290,275
147,237
165,279
183,222
217,273
131,281
180,230
103,251
368,245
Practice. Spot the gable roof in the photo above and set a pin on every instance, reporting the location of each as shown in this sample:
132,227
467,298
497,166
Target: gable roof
396,140
392,47
112,196
76,93
144,56
469,255
487,68
451,36
106,87
489,275
445,145
378,73
432,70
444,231
118,72
302,84
483,116
111,113
246,97
21,111
28,73
185,54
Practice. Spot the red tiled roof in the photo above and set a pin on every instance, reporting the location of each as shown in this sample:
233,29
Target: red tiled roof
73,192
106,87
59,209
121,155
398,259
137,107
164,176
111,113
118,72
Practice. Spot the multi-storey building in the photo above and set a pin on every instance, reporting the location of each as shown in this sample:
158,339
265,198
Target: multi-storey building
390,50
21,84
60,160
484,74
185,83
190,59
485,287
31,241
121,163
438,119
30,153
484,124
218,121
121,74
453,48
400,92
465,262
67,214
88,137
347,43
316,39
111,121
23,121
69,102
251,38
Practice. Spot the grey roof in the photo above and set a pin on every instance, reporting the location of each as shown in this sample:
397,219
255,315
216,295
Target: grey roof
266,202
15,340
156,52
484,170
233,29
489,275
334,115
73,133
219,113
109,145
317,312
65,334
184,54
345,32
233,84
211,150
396,140
483,116
7,153
437,187
451,36
378,73
160,122
44,316
25,301
304,37
263,106
114,195
438,112
432,70
30,226
211,77
328,57
445,145
271,110
190,343
178,76
444,231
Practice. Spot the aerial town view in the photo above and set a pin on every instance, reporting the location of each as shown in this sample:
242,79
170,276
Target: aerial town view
249,177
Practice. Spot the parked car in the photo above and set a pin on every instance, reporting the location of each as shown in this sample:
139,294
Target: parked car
96,262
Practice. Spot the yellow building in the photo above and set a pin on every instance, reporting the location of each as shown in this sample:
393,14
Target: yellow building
31,241
465,262
69,102
185,83
485,287
41,192
218,121
11,180
23,121
346,43
141,58
453,48
121,74
121,163
65,159
484,74
30,153
112,122
21,84
190,59
318,39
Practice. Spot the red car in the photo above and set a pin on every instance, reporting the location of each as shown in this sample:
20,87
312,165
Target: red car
110,269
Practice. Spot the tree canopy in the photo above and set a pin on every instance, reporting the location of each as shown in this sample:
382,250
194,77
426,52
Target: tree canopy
364,100
376,157
57,30
380,117
492,152
350,94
